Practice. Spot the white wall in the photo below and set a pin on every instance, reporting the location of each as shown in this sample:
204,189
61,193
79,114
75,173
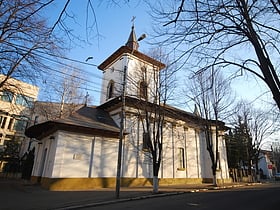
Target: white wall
44,156
105,157
86,156
72,155
79,155
134,76
115,73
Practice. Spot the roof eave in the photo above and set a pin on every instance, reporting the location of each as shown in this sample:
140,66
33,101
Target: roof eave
42,130
125,49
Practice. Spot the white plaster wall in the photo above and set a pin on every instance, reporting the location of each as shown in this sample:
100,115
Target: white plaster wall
206,171
135,75
37,159
223,158
50,157
105,156
131,148
72,155
193,169
75,155
85,156
136,162
114,72
168,164
180,142
44,161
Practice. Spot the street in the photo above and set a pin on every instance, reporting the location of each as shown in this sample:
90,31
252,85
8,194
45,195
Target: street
262,197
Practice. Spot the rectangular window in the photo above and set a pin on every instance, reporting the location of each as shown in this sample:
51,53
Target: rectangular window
181,158
20,124
143,90
3,122
7,96
11,124
24,101
146,142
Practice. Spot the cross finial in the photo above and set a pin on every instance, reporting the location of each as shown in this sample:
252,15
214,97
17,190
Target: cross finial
132,20
86,99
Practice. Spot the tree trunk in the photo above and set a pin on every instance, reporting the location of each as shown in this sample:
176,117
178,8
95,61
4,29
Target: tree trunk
215,180
155,184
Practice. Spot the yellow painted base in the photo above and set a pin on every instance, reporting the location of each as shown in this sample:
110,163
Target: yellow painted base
67,184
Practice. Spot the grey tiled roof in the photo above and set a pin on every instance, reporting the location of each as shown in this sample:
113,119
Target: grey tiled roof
90,120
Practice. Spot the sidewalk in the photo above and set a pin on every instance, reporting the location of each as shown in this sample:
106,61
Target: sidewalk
17,194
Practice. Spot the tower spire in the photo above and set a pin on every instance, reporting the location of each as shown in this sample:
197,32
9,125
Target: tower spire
132,40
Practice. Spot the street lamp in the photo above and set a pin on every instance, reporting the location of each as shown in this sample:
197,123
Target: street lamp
121,136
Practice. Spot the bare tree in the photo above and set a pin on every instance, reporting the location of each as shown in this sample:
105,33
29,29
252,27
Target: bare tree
240,35
211,93
153,119
257,126
24,39
65,95
155,90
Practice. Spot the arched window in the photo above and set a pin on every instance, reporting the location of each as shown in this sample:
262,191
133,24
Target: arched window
110,89
143,90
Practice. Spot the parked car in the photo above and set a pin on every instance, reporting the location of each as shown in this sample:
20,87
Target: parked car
277,177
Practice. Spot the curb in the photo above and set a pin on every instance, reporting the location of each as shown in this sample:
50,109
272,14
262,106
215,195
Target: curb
118,200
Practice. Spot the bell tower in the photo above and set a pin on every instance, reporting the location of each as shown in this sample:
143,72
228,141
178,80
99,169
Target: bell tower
140,71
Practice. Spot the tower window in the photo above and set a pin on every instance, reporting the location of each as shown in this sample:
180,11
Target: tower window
144,69
181,159
110,89
146,142
143,90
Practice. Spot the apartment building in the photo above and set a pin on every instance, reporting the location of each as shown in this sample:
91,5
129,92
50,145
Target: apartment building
16,102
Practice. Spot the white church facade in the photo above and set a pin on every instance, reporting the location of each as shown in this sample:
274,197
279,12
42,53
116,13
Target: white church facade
81,151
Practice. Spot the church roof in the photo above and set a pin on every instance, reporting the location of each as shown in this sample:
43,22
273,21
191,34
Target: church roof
132,41
87,120
125,49
130,47
169,111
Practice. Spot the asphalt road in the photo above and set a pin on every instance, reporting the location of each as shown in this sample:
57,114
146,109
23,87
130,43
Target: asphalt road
262,197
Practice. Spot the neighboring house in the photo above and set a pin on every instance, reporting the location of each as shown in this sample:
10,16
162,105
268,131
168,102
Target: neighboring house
81,151
266,165
16,102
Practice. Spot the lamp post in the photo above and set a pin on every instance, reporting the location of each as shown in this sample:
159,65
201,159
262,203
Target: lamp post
121,136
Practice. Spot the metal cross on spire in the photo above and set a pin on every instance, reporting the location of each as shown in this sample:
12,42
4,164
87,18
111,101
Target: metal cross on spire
132,20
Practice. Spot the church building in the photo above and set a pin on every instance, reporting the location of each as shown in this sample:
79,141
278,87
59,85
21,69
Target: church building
81,151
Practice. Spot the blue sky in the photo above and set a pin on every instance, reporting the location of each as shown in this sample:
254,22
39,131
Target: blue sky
113,25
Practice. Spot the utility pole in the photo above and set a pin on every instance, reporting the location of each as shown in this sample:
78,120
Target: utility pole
118,180
122,121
